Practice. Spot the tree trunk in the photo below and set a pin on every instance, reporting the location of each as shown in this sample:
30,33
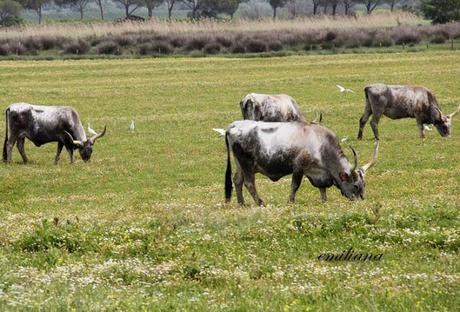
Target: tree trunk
392,5
315,8
81,13
150,11
274,13
346,8
39,12
170,12
127,10
325,9
101,9
334,9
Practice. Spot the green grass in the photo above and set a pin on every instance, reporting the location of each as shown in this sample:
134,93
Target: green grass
143,225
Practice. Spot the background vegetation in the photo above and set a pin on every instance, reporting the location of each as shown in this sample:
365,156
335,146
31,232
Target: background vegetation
63,10
143,225
208,37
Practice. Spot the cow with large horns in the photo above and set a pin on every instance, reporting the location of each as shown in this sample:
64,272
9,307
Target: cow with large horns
398,102
264,107
277,149
44,124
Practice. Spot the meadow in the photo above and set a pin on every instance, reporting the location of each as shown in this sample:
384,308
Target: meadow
143,226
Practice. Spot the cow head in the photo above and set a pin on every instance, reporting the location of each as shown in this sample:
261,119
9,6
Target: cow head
444,124
85,148
352,185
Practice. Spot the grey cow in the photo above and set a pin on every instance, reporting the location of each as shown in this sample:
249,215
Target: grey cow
398,102
44,124
277,149
265,107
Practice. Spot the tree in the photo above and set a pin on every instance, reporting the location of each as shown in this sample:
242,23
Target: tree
170,4
316,4
371,5
130,5
275,4
193,5
392,4
79,5
228,7
152,4
35,5
347,5
441,11
9,12
99,3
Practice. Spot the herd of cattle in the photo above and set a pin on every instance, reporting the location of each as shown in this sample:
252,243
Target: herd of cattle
274,138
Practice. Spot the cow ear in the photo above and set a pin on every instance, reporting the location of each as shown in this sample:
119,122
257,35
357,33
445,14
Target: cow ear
344,177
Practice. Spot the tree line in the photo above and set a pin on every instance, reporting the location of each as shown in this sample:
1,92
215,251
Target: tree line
440,11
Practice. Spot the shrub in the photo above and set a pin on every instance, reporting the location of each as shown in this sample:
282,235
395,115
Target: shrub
224,41
124,41
255,46
17,48
238,48
177,42
196,43
48,42
108,47
352,43
330,36
212,48
4,49
407,38
438,39
32,43
155,48
382,40
275,46
79,46
161,47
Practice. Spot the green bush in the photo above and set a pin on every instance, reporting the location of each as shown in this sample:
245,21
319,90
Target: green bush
441,11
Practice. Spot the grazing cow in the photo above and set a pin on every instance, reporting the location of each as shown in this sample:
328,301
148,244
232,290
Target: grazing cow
401,102
277,149
44,124
263,107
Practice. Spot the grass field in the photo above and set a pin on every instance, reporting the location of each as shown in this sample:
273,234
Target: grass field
144,226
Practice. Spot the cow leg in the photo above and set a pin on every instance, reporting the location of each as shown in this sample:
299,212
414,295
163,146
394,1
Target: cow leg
250,183
295,184
421,129
375,126
70,151
20,146
58,153
322,191
238,181
363,120
9,147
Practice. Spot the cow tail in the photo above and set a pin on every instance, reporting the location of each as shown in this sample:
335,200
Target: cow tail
5,153
366,94
228,173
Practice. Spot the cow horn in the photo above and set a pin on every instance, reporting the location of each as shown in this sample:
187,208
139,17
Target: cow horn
355,158
456,112
97,136
374,158
75,142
